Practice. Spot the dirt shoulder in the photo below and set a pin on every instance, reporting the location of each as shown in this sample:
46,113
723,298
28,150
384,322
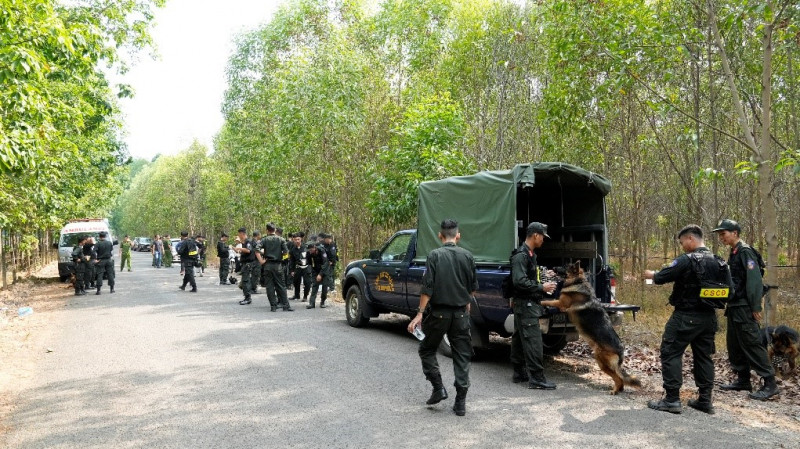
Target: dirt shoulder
21,338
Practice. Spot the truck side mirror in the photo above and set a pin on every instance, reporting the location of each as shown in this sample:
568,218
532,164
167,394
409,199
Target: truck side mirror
375,254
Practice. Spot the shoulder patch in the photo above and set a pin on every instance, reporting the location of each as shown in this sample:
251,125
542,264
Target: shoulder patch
751,265
674,262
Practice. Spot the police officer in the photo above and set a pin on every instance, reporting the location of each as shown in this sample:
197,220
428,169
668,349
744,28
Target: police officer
187,248
201,254
527,357
224,259
320,271
80,267
285,261
743,312
333,255
125,253
300,266
89,255
246,257
448,285
104,264
167,251
274,252
257,262
692,322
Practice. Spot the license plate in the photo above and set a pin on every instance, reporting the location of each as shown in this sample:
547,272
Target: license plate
714,292
559,318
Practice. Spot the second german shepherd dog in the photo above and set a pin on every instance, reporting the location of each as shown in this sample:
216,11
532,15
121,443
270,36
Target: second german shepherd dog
578,299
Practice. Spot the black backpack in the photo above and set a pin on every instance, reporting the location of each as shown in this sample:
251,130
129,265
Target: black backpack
715,288
189,249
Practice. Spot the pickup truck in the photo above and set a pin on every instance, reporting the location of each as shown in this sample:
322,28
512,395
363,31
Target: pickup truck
569,199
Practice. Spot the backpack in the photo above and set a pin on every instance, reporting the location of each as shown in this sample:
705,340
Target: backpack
189,249
715,289
762,266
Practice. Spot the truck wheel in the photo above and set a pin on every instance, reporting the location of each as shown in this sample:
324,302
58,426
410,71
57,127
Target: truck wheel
444,347
553,344
63,278
352,307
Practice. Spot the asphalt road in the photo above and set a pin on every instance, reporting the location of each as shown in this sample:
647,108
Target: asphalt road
153,366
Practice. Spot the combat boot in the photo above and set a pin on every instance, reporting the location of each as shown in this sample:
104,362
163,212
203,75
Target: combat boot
768,389
537,381
460,405
439,393
98,291
703,402
79,292
671,402
112,289
520,375
742,383
322,304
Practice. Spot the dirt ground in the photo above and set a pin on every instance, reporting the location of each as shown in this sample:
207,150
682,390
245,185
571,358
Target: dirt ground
21,348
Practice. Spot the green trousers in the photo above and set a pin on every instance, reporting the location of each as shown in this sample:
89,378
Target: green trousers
526,342
743,338
126,257
456,325
683,329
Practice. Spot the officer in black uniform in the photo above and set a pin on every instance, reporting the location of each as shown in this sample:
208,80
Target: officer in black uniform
275,251
692,323
285,261
320,271
256,271
89,255
104,264
224,259
333,256
80,267
527,355
743,312
300,266
448,285
187,248
246,256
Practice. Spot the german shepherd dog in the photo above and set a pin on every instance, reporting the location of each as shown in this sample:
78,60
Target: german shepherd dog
578,299
784,343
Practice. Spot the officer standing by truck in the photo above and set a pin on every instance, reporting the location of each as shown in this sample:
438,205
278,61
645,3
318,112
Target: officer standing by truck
246,257
89,255
104,264
274,251
527,354
80,267
224,258
693,322
743,312
448,285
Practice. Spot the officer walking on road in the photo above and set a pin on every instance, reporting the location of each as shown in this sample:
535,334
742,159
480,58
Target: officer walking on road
187,249
693,322
246,257
274,252
80,267
320,271
224,258
448,285
527,357
104,263
125,253
743,312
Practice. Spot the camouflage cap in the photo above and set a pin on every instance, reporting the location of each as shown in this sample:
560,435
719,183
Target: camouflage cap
727,225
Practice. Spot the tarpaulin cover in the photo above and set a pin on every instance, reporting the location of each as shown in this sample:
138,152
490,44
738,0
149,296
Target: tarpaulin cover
485,205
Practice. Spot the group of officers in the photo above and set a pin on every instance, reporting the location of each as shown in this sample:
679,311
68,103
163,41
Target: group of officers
450,282
271,262
93,261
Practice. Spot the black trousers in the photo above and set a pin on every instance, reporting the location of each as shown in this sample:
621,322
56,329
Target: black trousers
456,325
187,265
526,342
743,338
224,269
80,276
683,329
304,275
104,266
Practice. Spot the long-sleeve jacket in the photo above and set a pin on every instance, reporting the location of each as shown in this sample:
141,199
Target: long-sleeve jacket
525,274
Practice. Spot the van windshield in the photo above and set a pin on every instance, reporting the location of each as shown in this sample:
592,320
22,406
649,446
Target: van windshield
71,240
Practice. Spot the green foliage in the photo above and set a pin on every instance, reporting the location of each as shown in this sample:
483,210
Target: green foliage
426,146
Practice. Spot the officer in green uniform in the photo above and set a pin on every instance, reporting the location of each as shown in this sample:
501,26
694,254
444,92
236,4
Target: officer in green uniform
104,264
692,322
527,358
125,253
274,251
448,285
257,262
246,257
167,251
80,268
224,259
743,313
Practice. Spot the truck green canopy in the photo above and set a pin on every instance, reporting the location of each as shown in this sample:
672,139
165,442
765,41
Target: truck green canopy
491,206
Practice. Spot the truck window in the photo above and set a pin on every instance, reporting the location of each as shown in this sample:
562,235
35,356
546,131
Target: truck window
396,249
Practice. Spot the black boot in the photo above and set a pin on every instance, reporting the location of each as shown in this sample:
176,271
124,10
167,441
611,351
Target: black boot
79,292
671,402
703,402
768,389
98,291
112,289
460,406
742,383
537,381
520,375
439,393
322,304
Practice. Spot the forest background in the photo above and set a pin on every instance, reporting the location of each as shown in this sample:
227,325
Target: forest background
336,110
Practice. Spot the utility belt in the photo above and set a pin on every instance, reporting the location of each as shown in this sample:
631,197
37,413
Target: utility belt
301,267
273,261
448,308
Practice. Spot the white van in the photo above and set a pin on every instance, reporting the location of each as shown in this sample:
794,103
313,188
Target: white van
71,234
